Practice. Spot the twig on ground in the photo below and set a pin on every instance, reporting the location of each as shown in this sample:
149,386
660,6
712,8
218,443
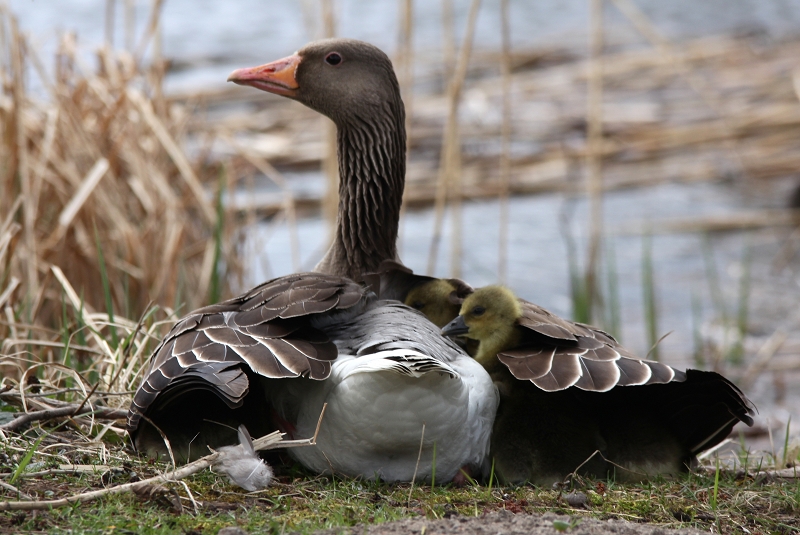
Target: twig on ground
69,469
69,410
100,393
12,488
271,441
85,399
419,456
785,473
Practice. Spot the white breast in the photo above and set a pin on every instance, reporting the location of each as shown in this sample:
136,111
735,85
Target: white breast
394,376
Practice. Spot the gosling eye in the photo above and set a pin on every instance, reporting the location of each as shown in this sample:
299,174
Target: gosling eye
478,311
419,305
334,58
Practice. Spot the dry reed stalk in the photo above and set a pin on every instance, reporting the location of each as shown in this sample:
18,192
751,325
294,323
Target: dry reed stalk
448,42
505,156
20,150
763,359
449,176
706,92
406,61
175,153
308,8
151,33
289,205
740,220
405,54
89,183
440,197
130,25
6,294
796,82
594,141
109,22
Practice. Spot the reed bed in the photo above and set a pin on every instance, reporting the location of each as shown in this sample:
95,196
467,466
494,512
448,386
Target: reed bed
109,230
108,227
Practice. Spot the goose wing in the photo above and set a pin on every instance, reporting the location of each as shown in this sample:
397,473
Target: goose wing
266,331
655,425
557,354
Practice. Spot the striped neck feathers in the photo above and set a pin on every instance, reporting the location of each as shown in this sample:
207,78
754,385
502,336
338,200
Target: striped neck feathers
372,165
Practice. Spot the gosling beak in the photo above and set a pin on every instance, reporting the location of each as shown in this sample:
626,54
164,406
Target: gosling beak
455,327
277,77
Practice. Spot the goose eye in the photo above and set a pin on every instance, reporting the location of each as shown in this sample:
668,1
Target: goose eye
419,305
478,311
333,59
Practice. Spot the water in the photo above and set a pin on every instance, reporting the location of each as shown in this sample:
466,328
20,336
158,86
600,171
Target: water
207,39
537,257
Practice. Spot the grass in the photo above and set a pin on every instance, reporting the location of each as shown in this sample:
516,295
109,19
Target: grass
300,502
649,297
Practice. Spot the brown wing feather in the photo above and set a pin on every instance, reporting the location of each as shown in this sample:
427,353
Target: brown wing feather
661,373
215,353
598,375
266,331
529,362
556,353
227,380
633,372
565,372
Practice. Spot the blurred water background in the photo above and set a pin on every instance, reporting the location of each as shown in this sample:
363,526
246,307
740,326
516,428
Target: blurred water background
206,39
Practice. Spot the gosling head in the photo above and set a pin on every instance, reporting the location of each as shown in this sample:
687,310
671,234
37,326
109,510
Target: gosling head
489,316
437,299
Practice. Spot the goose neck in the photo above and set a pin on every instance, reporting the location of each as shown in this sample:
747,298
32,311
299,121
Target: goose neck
372,162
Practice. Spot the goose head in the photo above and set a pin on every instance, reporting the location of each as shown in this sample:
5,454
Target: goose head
353,83
489,315
436,299
343,79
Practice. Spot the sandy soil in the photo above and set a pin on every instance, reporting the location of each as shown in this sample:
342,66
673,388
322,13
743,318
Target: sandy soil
507,523
502,522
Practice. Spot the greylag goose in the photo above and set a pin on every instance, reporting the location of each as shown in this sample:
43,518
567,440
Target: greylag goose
396,389
568,390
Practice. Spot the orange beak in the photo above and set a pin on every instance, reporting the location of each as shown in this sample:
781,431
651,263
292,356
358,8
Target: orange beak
276,77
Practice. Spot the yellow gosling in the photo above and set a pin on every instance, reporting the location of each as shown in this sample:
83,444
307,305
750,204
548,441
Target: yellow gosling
433,299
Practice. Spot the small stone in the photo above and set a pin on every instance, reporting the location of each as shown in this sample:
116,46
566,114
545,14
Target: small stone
578,500
232,530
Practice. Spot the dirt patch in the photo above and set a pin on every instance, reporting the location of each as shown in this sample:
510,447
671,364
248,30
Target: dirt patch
507,523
